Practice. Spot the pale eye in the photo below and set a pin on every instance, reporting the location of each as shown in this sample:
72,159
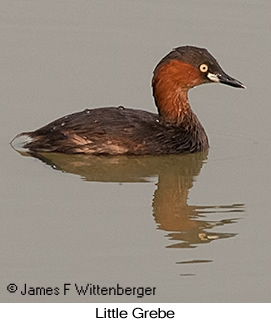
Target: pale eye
203,68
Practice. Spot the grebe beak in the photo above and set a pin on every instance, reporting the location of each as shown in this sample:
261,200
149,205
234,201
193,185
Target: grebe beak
225,79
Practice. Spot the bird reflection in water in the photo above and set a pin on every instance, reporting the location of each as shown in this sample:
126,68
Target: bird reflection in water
186,225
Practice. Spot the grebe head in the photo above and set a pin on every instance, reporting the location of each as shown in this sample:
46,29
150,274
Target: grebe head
180,70
194,66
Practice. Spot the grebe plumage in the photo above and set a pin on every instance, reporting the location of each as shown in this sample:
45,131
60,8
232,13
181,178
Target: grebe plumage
118,130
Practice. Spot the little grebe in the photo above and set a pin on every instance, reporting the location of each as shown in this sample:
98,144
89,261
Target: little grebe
118,130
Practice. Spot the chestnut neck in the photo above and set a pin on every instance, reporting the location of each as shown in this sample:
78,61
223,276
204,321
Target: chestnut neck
174,107
171,82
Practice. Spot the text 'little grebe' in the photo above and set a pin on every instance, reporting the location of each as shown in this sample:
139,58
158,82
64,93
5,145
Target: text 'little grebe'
118,130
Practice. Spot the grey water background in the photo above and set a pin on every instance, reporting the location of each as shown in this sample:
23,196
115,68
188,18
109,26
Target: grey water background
195,227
